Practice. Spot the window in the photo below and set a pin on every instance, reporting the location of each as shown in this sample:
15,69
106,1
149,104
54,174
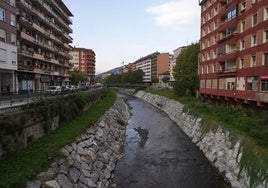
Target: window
254,40
254,19
13,39
266,59
230,85
253,61
12,3
241,63
12,20
3,55
231,14
265,13
265,36
13,58
2,14
243,6
252,83
242,44
254,1
264,85
2,35
243,26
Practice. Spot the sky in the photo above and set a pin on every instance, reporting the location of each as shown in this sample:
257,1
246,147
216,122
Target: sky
122,31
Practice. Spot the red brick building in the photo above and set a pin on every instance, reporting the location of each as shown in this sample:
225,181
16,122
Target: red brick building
234,51
8,46
84,60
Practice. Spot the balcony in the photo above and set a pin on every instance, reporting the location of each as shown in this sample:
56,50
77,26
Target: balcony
26,37
55,73
25,5
227,68
37,13
27,53
25,67
38,56
68,37
25,21
38,28
55,61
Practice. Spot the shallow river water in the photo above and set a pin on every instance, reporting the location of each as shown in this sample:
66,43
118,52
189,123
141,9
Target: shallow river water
158,154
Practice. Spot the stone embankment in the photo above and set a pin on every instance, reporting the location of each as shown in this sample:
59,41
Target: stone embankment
216,145
90,160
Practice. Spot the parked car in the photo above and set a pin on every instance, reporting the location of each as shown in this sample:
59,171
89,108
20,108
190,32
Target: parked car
54,90
71,87
65,89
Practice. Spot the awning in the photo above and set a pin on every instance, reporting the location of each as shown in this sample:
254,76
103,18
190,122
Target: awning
264,77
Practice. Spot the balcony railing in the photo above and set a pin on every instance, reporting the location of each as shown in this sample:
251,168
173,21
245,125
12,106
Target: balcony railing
25,67
25,20
25,4
26,37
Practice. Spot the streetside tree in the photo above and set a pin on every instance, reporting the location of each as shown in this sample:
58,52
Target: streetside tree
186,71
78,77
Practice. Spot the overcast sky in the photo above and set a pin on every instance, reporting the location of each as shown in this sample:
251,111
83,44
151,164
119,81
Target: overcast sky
125,30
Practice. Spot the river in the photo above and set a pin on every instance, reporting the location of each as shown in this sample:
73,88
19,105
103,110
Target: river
158,154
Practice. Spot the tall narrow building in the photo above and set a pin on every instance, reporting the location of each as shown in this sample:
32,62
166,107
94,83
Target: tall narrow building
43,44
83,60
8,48
233,63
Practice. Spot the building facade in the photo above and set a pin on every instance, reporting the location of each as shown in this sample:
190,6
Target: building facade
172,63
145,64
8,48
234,51
43,44
162,63
83,60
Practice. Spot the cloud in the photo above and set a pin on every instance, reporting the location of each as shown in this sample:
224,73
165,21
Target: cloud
176,14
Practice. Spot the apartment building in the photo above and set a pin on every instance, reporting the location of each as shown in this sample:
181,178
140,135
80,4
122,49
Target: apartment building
152,65
83,60
162,63
8,48
234,51
145,64
43,44
172,63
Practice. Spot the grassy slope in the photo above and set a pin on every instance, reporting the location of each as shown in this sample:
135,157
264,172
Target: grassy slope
17,168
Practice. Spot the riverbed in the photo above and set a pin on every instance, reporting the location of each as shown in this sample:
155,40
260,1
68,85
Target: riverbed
159,154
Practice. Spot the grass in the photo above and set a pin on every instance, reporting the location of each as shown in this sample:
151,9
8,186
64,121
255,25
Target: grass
241,120
243,124
19,167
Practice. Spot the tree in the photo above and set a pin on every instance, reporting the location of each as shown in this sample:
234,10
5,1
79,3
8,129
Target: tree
165,79
186,71
77,77
133,77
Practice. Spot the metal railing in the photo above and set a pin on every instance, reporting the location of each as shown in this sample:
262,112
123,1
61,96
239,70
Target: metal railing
10,99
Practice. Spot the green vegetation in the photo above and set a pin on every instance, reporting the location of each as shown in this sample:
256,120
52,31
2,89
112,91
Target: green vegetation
244,124
121,122
17,168
78,77
44,110
133,77
186,70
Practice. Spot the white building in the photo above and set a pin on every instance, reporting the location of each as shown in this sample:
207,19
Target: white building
145,66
